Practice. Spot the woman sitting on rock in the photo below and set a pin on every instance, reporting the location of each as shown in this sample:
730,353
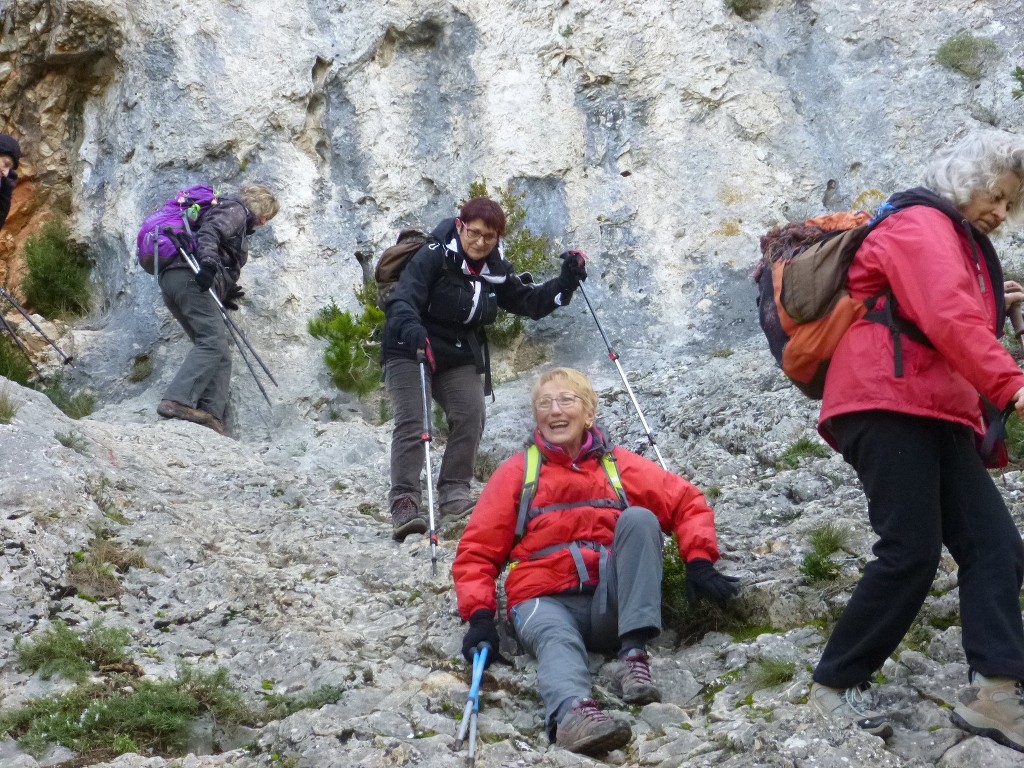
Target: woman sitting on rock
910,435
580,524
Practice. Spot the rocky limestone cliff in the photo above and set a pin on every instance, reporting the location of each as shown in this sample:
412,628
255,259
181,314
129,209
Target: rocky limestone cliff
661,137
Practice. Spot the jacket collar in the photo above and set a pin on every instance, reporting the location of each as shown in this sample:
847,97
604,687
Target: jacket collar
446,234
598,446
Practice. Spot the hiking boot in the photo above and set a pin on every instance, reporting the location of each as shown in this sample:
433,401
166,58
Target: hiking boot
216,425
995,710
850,707
171,409
457,509
406,518
630,678
586,729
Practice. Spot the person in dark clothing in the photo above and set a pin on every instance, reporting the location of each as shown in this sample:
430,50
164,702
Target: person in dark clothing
199,392
10,157
912,439
450,290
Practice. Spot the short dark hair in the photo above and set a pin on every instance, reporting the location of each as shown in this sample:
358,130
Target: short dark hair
487,211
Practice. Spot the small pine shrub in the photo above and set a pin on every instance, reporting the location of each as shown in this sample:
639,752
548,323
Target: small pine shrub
8,407
1018,75
13,363
967,54
56,282
351,355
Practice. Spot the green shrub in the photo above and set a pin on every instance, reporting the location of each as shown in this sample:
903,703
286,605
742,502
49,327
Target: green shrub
746,9
56,282
351,355
768,673
967,54
825,540
689,621
8,407
74,441
13,363
59,651
76,406
1015,438
142,368
1018,75
804,447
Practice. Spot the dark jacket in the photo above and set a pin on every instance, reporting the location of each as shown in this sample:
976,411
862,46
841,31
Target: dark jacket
948,281
223,242
8,146
438,293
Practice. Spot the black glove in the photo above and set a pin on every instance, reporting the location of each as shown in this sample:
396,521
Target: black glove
574,270
205,276
482,629
234,296
702,580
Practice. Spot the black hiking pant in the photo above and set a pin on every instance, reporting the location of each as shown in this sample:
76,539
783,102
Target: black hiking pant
926,487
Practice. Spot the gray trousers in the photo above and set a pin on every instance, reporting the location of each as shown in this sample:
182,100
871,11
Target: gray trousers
460,393
559,629
204,379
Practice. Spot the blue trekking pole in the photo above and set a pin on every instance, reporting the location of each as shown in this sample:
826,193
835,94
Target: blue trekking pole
469,715
614,357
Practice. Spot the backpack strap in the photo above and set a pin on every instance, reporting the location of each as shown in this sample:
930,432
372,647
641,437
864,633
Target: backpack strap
898,326
531,473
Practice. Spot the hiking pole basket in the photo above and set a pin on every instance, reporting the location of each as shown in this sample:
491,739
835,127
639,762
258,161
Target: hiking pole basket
469,715
614,357
65,359
426,437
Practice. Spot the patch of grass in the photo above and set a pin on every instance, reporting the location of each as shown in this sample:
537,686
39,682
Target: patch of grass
746,9
93,571
8,407
56,282
142,368
278,706
825,540
13,363
74,441
804,447
59,651
769,673
693,621
818,568
712,492
967,54
75,406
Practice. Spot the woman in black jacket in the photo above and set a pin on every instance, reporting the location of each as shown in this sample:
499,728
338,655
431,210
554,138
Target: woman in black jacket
450,290
10,156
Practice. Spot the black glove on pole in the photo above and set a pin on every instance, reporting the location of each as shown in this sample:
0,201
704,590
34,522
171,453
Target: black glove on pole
702,580
482,629
205,276
574,270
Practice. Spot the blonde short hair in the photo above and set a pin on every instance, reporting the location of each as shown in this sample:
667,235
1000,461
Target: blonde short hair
259,200
573,380
974,164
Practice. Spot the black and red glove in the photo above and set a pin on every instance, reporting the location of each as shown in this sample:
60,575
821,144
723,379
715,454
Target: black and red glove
574,270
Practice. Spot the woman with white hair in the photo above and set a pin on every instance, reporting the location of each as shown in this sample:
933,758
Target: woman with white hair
903,409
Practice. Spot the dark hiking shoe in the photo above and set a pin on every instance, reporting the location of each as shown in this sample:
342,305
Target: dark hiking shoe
457,509
406,519
588,730
170,409
630,678
217,425
996,711
850,707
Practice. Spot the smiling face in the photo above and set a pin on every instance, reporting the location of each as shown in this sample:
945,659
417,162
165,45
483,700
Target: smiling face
562,416
987,210
477,238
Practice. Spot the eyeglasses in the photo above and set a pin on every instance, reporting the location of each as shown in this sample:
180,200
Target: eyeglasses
565,400
475,234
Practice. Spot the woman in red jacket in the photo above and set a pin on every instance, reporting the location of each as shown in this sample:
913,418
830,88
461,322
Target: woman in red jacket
911,437
583,545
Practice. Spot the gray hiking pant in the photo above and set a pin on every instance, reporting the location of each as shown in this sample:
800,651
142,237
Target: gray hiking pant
460,393
559,629
204,379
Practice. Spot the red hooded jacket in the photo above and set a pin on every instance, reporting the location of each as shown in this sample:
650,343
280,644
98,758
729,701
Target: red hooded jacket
949,287
488,542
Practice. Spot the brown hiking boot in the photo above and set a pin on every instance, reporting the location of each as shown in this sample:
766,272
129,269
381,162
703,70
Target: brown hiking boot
588,730
630,678
406,519
170,409
216,425
995,710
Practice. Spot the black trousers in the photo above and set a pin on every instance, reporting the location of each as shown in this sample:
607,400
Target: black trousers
926,486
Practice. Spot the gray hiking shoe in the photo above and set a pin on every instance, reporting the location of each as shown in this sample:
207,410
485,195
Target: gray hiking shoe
588,730
406,519
171,409
996,711
456,509
630,678
850,707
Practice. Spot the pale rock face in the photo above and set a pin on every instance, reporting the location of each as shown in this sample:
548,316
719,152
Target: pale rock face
661,137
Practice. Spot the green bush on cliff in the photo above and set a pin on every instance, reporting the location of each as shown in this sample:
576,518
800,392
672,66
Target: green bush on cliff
56,282
967,54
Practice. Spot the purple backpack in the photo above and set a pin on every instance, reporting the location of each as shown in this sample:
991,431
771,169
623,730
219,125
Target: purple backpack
156,250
